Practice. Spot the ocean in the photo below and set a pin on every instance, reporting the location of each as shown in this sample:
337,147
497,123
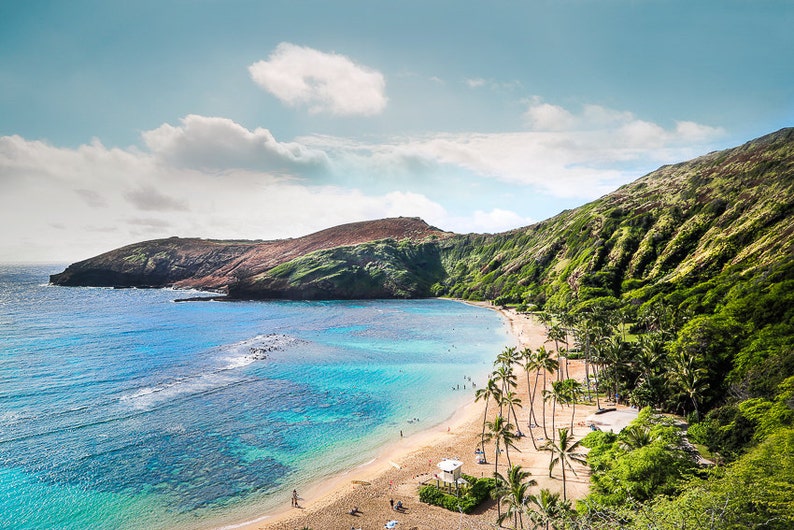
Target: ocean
121,409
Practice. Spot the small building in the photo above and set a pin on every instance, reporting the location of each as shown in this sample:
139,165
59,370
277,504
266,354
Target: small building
450,470
450,474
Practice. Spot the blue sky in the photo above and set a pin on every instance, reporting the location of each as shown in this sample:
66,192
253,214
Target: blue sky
125,121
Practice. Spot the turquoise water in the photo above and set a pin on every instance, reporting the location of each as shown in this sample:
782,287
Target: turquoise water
122,409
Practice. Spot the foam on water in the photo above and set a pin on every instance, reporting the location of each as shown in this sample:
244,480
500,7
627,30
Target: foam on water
120,409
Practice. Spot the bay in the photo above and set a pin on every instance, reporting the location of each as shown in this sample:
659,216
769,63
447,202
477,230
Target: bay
124,409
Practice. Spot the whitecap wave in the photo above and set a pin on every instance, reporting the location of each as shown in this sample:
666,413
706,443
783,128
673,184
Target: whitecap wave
222,373
259,348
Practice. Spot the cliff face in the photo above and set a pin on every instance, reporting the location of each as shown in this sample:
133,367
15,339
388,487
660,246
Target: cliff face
217,265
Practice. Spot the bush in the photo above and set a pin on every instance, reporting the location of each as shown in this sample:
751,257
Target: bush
471,496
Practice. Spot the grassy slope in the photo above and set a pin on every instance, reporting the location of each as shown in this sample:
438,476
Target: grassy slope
682,224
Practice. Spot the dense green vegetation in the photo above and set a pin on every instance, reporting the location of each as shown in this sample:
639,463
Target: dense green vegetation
470,496
379,269
678,291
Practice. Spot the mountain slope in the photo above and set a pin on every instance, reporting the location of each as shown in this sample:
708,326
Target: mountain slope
728,210
725,212
215,265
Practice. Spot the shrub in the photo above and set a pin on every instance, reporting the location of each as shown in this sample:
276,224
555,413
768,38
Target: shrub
471,496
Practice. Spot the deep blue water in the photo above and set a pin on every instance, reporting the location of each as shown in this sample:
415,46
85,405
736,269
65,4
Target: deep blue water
122,409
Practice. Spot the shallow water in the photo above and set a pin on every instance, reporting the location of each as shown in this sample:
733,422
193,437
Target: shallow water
123,409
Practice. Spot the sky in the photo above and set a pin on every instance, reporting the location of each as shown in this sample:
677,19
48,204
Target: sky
128,121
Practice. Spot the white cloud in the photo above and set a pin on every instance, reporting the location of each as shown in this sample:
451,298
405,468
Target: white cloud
219,143
211,177
695,132
476,82
479,82
134,195
497,220
324,82
547,117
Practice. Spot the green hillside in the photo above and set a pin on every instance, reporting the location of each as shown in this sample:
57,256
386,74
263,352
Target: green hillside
723,213
678,290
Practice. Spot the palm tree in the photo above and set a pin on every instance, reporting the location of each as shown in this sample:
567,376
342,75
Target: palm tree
615,354
511,401
593,327
509,356
505,378
563,452
573,390
491,390
689,378
544,318
500,431
544,364
548,508
530,365
649,360
649,355
557,394
515,494
635,436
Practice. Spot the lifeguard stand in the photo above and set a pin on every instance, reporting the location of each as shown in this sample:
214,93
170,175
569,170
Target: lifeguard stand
450,474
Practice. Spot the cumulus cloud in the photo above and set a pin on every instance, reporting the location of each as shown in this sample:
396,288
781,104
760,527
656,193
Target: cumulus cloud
212,177
324,82
155,192
547,117
148,198
492,222
219,143
475,82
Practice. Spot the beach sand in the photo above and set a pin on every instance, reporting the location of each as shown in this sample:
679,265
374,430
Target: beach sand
397,472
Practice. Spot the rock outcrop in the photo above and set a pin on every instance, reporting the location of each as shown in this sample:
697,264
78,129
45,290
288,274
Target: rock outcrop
218,265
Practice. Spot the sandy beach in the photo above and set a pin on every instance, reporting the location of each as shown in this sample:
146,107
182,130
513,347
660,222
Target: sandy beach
398,471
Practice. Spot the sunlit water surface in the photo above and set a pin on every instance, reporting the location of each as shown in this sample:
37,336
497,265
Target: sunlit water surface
120,409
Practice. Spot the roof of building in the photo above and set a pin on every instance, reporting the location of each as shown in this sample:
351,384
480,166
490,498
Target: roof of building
449,465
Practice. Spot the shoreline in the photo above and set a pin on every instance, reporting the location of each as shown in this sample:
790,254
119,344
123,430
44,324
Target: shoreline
330,489
326,504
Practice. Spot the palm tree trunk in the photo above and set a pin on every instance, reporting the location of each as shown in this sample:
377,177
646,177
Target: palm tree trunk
496,476
515,417
484,419
573,411
531,394
545,432
595,376
564,494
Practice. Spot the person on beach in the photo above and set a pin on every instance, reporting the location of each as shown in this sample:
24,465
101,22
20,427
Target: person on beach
391,503
295,498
